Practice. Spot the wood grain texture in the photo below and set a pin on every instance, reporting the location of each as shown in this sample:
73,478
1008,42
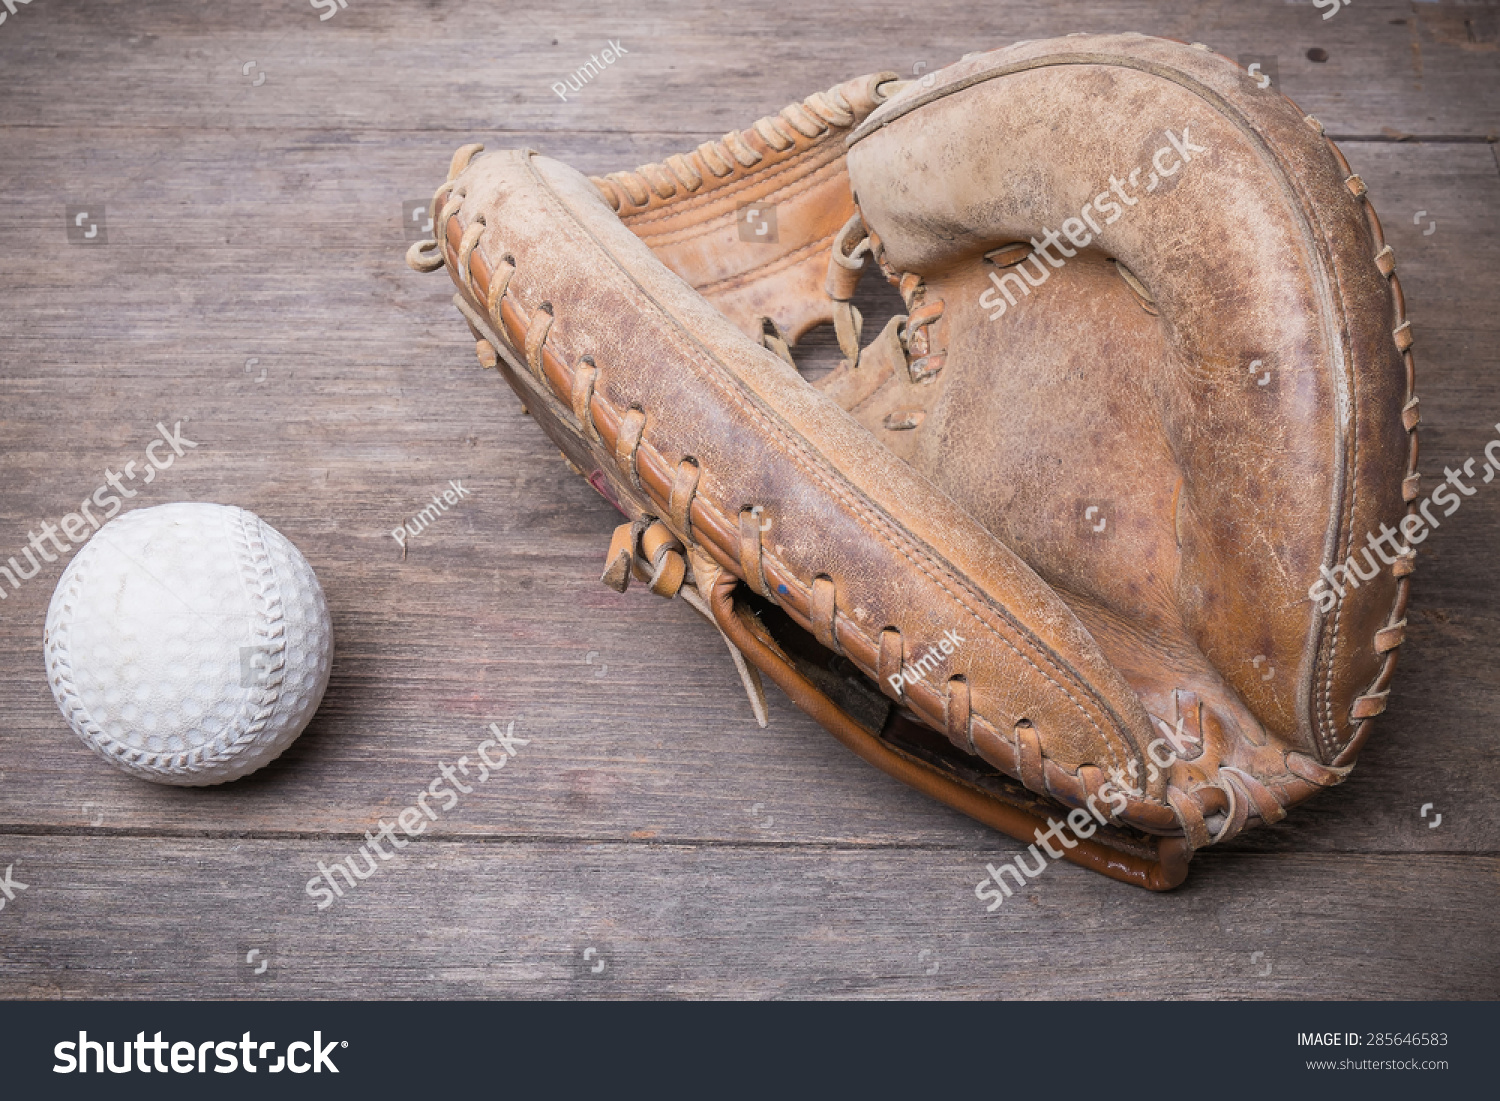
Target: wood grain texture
1414,68
486,919
713,858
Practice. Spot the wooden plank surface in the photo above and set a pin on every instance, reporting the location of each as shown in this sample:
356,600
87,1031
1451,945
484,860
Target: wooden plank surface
1415,68
486,919
252,287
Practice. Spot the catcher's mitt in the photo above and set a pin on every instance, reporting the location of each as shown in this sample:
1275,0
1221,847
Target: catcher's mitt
1093,527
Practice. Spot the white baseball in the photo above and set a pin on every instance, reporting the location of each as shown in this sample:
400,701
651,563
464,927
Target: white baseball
188,643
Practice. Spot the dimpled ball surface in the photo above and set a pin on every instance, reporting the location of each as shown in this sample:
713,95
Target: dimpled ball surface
188,643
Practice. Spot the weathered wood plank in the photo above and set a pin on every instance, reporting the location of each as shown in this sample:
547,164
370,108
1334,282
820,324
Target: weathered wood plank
1392,65
133,917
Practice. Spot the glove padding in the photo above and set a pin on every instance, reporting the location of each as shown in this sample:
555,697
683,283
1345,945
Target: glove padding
1152,384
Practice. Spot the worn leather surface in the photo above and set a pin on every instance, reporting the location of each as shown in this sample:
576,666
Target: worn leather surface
1234,432
690,209
962,499
834,501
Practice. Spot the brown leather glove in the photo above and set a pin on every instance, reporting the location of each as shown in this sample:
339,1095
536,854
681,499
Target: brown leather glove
1105,519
